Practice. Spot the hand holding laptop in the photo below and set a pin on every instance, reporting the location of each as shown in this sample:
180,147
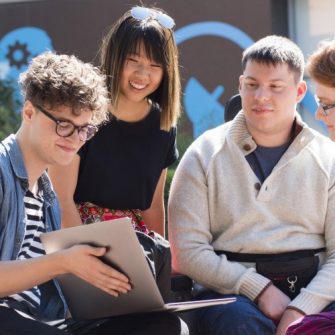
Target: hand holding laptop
87,300
83,261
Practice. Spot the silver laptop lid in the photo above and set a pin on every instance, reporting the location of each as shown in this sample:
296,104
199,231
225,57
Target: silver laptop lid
125,254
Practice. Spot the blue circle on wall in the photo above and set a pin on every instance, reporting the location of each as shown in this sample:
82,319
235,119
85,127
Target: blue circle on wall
17,48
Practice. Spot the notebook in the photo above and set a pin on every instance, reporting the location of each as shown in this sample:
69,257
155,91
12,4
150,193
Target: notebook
125,253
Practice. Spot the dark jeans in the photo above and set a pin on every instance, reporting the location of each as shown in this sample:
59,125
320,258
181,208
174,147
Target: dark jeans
238,318
11,323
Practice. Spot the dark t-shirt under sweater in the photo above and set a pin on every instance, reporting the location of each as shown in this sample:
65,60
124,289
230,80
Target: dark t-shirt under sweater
121,165
264,159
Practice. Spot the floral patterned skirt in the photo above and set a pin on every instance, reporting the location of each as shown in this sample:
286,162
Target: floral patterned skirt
90,213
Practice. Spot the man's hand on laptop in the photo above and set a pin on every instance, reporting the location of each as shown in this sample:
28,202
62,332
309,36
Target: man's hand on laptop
83,261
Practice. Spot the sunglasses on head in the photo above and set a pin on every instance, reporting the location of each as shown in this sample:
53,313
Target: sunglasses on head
143,13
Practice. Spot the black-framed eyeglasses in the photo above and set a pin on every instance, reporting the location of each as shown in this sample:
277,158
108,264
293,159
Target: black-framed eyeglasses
326,108
67,128
144,13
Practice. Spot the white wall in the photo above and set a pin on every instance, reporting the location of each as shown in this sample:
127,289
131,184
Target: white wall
311,21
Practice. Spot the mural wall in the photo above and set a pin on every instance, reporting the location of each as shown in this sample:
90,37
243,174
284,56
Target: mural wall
211,36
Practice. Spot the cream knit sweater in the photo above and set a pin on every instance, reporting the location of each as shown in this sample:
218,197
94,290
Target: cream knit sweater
214,204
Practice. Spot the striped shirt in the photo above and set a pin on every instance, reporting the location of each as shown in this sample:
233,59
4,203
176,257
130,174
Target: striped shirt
32,247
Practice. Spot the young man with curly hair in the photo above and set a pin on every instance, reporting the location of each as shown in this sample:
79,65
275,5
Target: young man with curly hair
65,100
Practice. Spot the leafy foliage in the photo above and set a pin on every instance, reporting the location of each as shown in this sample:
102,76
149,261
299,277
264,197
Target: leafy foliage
9,118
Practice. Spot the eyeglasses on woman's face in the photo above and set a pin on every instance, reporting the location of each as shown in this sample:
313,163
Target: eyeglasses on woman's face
143,13
67,128
326,108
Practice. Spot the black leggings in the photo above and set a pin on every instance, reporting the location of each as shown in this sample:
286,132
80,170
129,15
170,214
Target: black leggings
141,324
158,255
12,323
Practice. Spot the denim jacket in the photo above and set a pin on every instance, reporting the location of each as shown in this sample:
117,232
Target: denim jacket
13,186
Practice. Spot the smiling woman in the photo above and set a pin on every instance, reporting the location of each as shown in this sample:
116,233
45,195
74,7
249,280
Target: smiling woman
321,68
138,143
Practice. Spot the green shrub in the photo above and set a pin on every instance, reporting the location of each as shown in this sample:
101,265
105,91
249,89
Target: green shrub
9,118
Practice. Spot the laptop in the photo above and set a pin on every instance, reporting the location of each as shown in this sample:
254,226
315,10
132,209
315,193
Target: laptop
125,253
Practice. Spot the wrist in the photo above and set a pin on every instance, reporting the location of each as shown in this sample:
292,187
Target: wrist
59,263
296,310
262,291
